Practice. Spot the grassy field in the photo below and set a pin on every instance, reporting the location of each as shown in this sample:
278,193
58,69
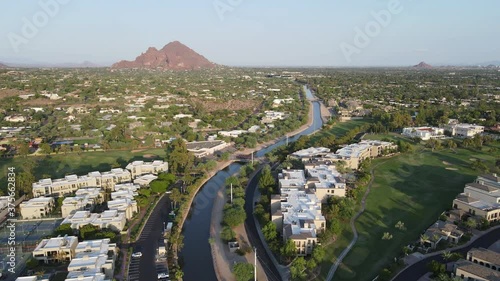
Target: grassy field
340,128
412,188
60,165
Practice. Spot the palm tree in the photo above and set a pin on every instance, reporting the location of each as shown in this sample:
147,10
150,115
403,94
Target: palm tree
446,255
423,238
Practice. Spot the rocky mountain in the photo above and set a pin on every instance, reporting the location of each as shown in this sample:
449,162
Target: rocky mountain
174,56
422,65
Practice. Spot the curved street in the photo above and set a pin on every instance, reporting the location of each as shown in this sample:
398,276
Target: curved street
418,269
270,268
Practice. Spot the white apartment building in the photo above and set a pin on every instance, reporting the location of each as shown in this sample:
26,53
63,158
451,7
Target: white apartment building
310,153
424,133
30,278
85,200
297,214
36,207
93,258
465,130
325,181
91,265
125,205
293,179
111,219
56,249
139,168
72,276
71,183
114,177
4,202
145,180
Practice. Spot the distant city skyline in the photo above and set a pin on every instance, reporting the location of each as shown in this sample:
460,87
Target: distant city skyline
254,33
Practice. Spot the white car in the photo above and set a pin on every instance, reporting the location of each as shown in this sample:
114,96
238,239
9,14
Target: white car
162,275
137,255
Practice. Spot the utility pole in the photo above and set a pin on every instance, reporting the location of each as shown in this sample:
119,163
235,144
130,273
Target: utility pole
252,158
255,265
286,140
231,193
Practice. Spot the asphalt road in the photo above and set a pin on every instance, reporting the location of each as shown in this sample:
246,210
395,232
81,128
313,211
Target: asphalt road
251,228
418,269
143,268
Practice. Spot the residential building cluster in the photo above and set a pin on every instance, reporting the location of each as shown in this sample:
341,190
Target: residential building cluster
352,155
480,264
89,191
480,199
296,211
92,260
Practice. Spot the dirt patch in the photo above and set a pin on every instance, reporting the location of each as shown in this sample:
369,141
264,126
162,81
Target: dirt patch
452,169
447,163
4,93
137,150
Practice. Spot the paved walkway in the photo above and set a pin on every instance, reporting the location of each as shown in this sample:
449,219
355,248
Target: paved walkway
346,251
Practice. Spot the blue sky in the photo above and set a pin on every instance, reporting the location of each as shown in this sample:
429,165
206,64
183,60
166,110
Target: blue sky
255,32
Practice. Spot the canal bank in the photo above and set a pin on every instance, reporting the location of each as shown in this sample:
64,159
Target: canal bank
196,256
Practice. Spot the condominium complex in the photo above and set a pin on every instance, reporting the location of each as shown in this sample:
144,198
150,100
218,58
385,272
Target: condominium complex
297,214
464,130
56,249
36,207
139,168
85,200
325,181
352,155
480,198
70,184
112,219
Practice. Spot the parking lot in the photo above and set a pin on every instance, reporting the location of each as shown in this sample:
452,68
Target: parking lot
134,271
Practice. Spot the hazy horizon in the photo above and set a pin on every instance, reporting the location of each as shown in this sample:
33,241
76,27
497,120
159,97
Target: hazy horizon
254,33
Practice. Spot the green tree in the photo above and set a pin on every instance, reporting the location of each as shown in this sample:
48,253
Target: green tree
158,186
243,271
298,269
318,254
227,234
64,229
436,268
266,180
23,150
175,196
234,216
45,148
269,231
288,251
179,158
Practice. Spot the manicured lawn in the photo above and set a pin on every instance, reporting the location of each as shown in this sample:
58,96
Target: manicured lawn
412,188
60,165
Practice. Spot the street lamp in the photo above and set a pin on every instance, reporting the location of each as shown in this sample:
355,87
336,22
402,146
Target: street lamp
255,265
